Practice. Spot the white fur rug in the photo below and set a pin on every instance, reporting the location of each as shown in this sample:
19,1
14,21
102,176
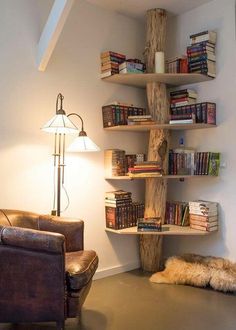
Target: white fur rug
198,271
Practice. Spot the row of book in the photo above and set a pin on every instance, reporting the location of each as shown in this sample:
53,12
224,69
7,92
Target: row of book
188,162
204,112
200,215
203,215
201,53
120,113
145,169
120,211
178,64
177,213
117,162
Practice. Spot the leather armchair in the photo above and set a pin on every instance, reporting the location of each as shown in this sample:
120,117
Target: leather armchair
45,272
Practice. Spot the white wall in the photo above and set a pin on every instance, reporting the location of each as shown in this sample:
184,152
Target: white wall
28,100
219,16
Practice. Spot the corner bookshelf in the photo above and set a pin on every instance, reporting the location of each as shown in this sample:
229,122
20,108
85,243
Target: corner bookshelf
170,79
147,128
126,177
167,230
150,243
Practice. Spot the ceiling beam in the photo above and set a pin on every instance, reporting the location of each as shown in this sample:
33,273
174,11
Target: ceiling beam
51,32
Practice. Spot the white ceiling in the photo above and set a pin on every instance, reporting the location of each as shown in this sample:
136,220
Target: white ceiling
138,8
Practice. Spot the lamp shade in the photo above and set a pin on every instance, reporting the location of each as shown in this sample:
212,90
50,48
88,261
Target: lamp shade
60,123
83,144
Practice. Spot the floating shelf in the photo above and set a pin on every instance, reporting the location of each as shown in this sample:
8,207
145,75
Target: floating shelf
141,79
167,230
146,128
126,177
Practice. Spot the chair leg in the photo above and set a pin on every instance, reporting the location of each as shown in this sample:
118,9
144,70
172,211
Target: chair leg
61,325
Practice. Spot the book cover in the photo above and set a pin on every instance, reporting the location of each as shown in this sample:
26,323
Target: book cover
214,164
215,228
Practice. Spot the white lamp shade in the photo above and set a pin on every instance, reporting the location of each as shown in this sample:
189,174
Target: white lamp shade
60,124
83,144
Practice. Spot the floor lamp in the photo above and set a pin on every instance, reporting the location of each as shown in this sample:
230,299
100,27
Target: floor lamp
60,125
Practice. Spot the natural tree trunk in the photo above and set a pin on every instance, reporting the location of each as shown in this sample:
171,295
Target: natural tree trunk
156,188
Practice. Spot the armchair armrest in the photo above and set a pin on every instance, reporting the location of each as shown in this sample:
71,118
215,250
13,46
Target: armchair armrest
32,239
72,229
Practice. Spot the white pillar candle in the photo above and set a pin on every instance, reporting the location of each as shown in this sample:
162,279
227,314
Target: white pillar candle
159,62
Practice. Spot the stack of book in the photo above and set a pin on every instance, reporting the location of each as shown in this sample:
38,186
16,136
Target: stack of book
117,113
140,120
201,53
203,215
149,224
114,162
180,106
188,162
177,64
177,213
121,211
110,62
145,169
132,66
130,160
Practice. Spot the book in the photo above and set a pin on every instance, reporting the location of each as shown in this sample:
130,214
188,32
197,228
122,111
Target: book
109,66
140,117
189,100
182,121
204,45
215,228
111,59
203,208
203,224
117,114
146,122
114,54
130,70
209,36
203,218
145,175
149,224
214,163
201,56
107,74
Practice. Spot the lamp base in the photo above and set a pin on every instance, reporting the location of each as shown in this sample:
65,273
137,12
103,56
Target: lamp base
53,212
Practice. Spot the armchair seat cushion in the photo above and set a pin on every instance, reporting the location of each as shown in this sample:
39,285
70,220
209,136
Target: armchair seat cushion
80,267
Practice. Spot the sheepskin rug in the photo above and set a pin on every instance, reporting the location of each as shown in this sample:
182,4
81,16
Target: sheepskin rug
200,271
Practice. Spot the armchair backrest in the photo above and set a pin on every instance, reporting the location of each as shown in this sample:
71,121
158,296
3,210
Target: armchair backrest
17,218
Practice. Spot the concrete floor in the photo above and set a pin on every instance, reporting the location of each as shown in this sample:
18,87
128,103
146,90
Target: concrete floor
129,301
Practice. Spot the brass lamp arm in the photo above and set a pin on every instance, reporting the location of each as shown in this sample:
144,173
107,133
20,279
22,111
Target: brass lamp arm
82,122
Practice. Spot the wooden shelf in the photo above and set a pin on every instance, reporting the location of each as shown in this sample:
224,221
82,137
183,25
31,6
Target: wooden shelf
146,128
126,177
167,230
141,79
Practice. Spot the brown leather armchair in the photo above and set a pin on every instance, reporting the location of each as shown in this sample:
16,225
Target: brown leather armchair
45,273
